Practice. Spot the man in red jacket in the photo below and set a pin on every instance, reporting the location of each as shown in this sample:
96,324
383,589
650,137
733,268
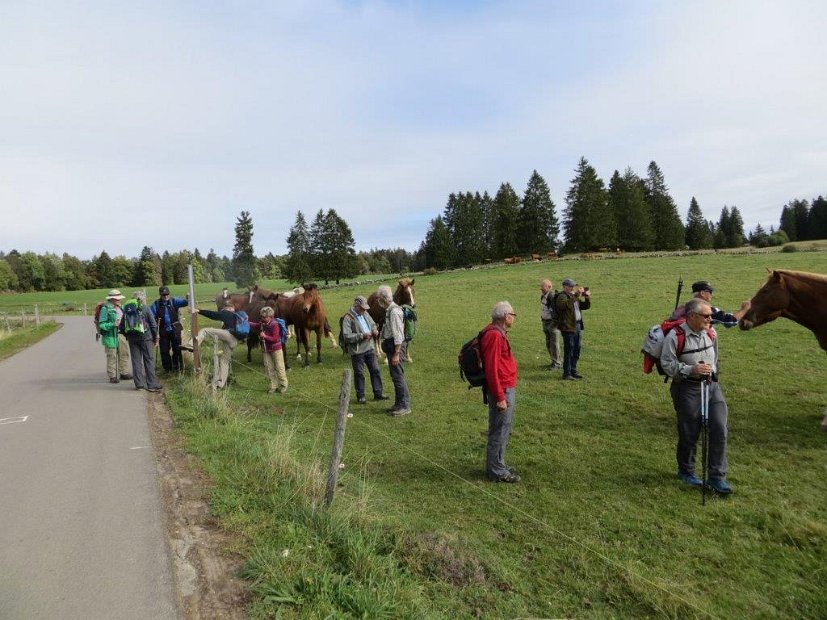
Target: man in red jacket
500,383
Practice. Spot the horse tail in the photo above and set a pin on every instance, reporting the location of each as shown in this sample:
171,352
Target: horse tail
327,330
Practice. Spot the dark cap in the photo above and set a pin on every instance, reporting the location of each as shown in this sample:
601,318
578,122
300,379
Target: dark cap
569,282
702,285
163,290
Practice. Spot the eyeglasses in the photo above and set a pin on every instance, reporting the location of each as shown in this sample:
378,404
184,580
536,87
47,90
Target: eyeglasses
512,314
706,317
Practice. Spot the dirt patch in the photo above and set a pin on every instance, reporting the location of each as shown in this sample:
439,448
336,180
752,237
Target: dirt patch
206,572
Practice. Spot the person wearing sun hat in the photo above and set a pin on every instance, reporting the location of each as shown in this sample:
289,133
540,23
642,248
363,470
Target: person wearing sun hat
118,363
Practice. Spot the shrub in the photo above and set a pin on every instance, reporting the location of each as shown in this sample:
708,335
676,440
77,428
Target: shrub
789,248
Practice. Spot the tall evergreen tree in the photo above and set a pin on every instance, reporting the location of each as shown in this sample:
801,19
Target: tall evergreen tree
788,222
735,236
214,271
244,260
438,247
538,228
297,267
339,249
723,231
817,220
148,269
627,201
464,219
697,230
802,212
589,223
669,232
103,269
506,213
487,208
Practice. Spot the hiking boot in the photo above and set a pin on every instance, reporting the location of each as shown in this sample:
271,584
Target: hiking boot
568,378
186,347
282,389
719,485
398,413
126,377
555,366
113,380
272,390
153,389
381,397
690,479
576,375
510,478
361,400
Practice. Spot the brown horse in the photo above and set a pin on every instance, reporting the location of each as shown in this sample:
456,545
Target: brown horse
402,296
795,295
250,302
306,312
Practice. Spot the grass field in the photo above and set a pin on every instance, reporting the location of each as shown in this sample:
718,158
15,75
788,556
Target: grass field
22,337
599,527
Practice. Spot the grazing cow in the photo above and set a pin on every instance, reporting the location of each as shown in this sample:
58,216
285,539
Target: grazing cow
402,296
536,258
552,254
306,312
795,295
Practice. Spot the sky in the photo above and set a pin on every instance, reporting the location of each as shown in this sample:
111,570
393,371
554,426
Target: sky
132,124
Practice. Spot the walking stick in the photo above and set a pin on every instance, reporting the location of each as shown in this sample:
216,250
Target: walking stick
704,435
678,294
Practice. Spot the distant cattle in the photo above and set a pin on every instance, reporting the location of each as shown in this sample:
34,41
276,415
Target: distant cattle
591,256
551,255
513,260
536,258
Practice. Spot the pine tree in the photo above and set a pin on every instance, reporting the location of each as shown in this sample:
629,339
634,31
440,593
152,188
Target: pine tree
589,222
723,231
735,237
297,267
438,247
487,208
214,271
669,232
339,248
697,230
103,270
464,219
505,218
788,222
817,219
244,260
538,228
147,271
627,201
802,212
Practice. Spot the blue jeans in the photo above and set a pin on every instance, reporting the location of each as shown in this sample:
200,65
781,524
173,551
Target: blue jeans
359,361
571,352
499,430
400,387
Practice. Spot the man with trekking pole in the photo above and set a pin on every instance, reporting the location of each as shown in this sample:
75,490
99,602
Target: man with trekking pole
697,397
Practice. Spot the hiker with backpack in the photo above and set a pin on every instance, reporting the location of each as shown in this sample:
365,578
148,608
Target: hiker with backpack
113,341
693,368
396,348
165,311
141,331
500,385
235,326
272,342
549,318
570,304
703,290
357,331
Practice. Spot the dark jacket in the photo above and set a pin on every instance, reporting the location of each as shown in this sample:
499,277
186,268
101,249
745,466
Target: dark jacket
565,308
226,317
166,312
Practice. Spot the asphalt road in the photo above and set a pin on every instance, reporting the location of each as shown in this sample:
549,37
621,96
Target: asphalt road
81,522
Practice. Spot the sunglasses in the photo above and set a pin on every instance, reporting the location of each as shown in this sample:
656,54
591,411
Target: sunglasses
704,316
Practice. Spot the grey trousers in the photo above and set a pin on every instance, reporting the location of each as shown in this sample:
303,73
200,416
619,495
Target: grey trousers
400,386
554,341
499,430
686,396
143,362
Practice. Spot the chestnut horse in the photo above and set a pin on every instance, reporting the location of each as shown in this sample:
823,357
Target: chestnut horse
307,313
402,296
795,295
250,302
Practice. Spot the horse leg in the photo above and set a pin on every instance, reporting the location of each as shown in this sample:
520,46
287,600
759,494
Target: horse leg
319,346
305,338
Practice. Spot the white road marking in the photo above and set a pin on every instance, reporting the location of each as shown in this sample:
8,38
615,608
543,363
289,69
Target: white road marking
21,418
138,448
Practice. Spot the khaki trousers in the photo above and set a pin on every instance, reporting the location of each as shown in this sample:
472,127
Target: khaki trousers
118,362
274,363
224,343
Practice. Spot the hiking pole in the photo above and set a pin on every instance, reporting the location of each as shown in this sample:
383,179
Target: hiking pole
704,435
678,294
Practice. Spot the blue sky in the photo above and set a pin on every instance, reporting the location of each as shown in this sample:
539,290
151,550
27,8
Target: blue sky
156,123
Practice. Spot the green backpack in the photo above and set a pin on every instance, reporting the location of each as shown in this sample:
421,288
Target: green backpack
409,322
132,320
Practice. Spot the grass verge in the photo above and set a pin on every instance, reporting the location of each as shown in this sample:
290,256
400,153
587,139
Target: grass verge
24,337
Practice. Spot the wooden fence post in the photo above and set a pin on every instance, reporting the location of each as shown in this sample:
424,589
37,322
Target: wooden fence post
338,437
85,312
22,319
196,354
36,315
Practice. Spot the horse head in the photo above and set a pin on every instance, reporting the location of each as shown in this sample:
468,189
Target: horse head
769,302
310,298
404,294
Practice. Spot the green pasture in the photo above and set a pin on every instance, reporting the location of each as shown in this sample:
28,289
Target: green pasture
599,526
18,338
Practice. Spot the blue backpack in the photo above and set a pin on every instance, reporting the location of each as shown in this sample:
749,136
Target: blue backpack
242,325
282,331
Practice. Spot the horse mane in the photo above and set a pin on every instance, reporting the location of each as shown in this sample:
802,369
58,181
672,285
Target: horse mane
803,275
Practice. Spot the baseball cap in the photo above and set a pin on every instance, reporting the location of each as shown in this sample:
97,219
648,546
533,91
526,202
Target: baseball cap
569,282
361,302
163,290
702,285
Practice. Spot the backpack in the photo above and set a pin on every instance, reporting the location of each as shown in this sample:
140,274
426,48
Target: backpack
242,325
653,344
551,304
98,307
132,320
283,333
342,343
470,363
409,322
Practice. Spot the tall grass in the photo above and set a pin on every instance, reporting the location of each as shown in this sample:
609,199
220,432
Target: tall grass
599,527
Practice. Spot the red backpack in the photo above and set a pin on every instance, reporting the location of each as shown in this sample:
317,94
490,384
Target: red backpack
653,343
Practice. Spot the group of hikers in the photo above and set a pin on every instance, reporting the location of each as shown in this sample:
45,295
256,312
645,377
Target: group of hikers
689,356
